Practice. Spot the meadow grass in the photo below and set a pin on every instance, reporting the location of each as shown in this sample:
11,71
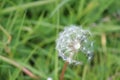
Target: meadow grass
29,28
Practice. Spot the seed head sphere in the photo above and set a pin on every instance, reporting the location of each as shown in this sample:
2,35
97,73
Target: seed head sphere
73,41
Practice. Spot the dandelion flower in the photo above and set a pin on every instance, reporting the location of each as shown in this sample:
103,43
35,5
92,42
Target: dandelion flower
49,78
74,41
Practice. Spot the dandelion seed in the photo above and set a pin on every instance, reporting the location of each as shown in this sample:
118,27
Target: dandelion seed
72,41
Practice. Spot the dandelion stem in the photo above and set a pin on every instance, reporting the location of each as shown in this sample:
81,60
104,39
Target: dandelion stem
63,71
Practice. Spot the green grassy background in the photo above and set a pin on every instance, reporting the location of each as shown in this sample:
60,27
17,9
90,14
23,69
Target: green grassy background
29,28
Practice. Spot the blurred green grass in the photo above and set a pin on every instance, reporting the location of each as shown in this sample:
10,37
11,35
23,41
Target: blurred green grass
29,28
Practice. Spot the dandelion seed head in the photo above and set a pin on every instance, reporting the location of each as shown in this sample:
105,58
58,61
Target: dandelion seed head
49,78
72,41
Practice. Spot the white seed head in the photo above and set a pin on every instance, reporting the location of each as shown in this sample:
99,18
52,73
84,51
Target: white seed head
49,78
72,41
